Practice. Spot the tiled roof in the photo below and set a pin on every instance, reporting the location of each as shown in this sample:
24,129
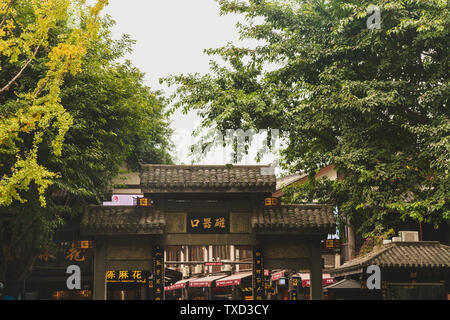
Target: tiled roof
122,220
285,181
295,217
345,284
423,254
206,178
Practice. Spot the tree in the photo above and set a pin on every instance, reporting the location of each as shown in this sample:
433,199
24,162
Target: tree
116,119
26,29
372,102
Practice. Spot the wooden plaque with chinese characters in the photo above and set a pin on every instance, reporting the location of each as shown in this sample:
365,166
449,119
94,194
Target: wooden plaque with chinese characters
127,276
239,222
258,274
208,223
158,273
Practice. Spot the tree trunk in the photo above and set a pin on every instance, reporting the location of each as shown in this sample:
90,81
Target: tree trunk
351,242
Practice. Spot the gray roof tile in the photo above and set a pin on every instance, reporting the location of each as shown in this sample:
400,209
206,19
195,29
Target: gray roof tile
295,217
204,178
122,220
420,254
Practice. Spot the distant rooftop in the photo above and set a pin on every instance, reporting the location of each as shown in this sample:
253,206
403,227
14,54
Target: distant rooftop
287,180
418,254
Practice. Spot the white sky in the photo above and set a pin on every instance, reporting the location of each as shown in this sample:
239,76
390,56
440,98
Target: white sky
170,38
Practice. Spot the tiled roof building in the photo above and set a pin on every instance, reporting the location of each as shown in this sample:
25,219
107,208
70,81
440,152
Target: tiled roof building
423,254
295,217
122,220
205,178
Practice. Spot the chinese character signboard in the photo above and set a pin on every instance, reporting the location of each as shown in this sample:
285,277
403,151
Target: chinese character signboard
144,202
126,276
332,245
271,202
84,244
294,295
158,273
208,223
294,286
258,274
75,255
68,253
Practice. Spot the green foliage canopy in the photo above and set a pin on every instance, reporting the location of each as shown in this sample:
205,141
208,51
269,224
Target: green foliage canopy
116,120
374,103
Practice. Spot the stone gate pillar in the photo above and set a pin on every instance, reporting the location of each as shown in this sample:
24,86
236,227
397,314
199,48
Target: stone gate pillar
316,290
99,269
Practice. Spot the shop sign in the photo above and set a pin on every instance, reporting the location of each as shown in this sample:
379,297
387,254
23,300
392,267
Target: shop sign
144,202
75,254
79,251
278,275
158,273
258,274
271,202
84,244
325,282
332,244
126,276
208,223
294,295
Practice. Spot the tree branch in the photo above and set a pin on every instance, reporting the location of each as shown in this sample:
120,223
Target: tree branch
6,13
8,85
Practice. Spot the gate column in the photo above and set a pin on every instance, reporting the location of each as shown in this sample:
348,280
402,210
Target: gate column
316,292
99,269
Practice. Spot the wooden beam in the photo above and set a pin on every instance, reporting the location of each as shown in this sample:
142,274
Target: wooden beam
207,239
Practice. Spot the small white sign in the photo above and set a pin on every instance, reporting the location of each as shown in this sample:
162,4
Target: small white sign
123,200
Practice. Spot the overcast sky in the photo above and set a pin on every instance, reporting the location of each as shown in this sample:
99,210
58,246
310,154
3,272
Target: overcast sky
171,36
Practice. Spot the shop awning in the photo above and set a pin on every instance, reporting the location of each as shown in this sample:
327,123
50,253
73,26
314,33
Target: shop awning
206,281
326,279
233,280
278,275
178,285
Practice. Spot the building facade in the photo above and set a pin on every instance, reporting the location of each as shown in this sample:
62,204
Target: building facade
217,213
408,270
190,232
